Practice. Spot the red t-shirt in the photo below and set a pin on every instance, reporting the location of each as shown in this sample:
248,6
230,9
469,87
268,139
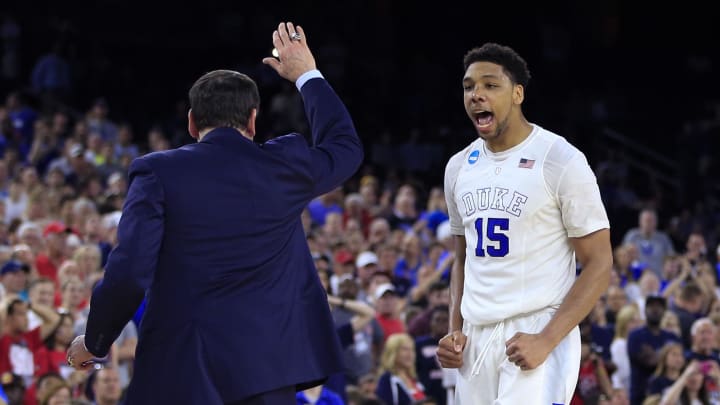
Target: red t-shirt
417,391
16,353
45,267
390,326
47,360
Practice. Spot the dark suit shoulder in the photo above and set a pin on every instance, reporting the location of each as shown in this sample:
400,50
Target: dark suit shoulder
292,140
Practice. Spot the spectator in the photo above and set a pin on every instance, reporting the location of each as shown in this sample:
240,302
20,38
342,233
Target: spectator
628,319
687,306
361,356
21,342
51,357
105,387
48,262
670,363
398,383
643,345
437,296
56,394
653,245
318,395
41,291
430,373
703,347
386,306
13,279
325,204
690,387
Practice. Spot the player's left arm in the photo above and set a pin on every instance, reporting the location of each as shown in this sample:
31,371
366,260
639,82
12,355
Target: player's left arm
593,251
588,231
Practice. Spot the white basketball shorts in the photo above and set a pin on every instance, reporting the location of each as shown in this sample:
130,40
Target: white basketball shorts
488,378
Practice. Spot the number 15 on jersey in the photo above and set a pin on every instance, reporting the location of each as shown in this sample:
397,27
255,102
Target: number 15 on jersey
492,237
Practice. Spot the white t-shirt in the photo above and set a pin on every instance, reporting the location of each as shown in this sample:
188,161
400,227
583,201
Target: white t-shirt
517,210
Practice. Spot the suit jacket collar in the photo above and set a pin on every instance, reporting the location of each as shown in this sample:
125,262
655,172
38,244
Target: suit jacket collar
225,135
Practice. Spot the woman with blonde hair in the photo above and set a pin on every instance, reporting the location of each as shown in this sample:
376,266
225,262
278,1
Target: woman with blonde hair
627,319
398,383
89,259
671,361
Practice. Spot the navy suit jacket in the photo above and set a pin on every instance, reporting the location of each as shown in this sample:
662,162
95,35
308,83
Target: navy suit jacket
212,232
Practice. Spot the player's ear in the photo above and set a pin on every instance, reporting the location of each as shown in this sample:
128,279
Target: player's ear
518,94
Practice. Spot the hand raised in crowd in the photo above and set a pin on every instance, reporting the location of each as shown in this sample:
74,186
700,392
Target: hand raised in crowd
293,55
450,350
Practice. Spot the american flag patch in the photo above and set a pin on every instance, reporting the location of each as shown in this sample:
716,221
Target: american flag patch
526,163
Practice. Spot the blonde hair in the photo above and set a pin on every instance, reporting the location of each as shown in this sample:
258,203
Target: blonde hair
624,317
662,357
389,354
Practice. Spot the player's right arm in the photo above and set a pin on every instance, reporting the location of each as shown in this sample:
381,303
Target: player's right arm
450,347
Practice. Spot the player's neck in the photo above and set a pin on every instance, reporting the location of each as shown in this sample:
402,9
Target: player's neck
513,135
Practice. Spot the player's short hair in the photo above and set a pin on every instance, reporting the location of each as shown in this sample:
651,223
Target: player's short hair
512,63
223,98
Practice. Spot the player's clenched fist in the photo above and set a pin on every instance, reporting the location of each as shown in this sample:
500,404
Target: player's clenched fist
450,349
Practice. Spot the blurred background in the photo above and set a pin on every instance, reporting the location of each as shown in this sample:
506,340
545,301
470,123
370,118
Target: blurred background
85,87
629,84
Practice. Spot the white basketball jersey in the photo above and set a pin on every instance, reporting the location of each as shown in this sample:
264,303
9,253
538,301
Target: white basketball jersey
517,210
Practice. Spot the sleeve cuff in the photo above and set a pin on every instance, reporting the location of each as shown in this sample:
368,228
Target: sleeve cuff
310,74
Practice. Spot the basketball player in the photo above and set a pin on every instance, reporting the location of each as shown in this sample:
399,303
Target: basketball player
523,204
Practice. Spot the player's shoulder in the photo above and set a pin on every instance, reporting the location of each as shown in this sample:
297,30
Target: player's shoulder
469,153
559,149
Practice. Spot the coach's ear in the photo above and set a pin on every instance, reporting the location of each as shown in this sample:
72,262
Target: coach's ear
192,128
250,129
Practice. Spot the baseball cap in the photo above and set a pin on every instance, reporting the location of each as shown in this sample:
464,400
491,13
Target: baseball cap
343,257
56,227
345,277
13,266
382,289
76,150
655,298
443,230
366,258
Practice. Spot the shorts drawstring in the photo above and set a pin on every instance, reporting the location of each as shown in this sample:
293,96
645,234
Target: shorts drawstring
497,333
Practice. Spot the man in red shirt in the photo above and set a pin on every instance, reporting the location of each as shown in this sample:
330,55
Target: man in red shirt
386,306
17,343
48,262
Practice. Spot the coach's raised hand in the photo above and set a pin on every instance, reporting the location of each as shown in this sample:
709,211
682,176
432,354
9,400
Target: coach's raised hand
293,55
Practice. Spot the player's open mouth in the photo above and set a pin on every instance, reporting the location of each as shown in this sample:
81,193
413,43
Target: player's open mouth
483,119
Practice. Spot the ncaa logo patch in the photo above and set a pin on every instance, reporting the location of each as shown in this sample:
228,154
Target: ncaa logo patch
474,155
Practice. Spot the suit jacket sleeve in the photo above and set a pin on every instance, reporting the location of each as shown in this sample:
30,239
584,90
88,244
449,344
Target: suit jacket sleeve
337,151
131,265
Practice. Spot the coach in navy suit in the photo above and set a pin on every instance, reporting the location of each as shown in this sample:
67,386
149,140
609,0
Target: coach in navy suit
235,310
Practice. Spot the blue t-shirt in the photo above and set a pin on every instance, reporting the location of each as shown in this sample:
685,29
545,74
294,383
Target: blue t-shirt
327,397
639,372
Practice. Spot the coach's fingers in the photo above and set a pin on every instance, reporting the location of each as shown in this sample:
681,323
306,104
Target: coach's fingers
303,38
272,62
